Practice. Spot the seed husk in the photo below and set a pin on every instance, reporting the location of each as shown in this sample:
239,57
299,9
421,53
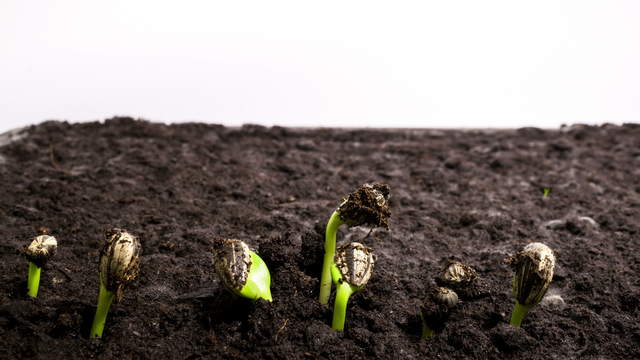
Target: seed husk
463,279
41,249
456,273
355,262
119,260
533,273
436,307
232,262
446,296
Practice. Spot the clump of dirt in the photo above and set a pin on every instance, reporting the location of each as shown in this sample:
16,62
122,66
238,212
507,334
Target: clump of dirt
477,196
367,205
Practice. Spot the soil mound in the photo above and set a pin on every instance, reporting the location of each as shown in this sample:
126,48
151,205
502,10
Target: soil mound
476,196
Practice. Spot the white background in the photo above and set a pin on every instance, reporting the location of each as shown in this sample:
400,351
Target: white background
343,63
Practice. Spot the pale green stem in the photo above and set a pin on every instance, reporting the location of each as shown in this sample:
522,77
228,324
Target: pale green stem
343,292
104,301
258,283
33,282
519,312
329,252
426,330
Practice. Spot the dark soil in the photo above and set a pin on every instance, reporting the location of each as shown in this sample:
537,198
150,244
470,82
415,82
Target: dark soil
473,195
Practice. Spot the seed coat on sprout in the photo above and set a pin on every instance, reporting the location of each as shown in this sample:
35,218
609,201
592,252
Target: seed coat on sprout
351,272
435,309
241,270
41,249
533,273
367,205
119,265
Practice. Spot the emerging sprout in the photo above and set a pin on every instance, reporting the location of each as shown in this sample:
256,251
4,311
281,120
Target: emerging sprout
456,273
533,273
41,249
435,309
367,205
241,270
119,265
351,272
460,277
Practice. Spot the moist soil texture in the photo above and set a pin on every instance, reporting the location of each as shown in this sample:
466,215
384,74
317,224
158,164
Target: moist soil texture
475,196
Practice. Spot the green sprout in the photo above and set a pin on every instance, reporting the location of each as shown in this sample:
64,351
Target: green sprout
533,273
367,205
119,265
351,272
41,249
435,309
241,270
546,192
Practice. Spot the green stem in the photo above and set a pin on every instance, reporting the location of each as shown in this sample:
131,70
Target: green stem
329,252
258,283
343,292
519,312
427,332
104,301
33,282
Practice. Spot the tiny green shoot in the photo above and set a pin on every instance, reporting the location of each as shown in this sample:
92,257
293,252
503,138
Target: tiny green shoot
241,270
41,249
351,272
546,192
367,205
427,332
329,253
533,273
119,265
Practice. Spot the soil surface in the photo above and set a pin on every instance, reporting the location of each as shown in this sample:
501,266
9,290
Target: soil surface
477,196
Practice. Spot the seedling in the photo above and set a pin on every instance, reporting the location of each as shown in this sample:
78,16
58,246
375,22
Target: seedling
351,272
41,249
241,270
435,309
367,205
546,192
533,273
119,265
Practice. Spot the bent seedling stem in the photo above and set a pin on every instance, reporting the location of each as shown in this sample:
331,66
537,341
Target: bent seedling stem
344,290
329,254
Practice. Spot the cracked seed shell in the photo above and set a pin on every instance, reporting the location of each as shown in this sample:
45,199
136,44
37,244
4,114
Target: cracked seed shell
41,249
533,273
446,296
355,262
232,262
119,260
457,273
